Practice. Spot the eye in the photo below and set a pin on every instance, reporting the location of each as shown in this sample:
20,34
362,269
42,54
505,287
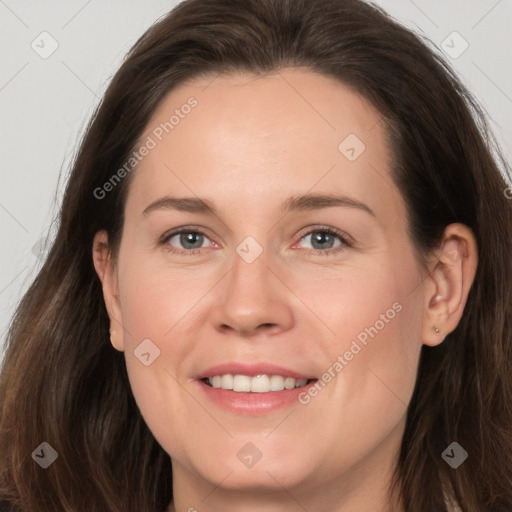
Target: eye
191,241
326,241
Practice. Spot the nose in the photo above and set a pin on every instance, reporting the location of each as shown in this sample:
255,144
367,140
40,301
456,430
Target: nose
253,298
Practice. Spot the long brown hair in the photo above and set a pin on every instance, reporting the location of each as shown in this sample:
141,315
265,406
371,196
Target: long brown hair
63,383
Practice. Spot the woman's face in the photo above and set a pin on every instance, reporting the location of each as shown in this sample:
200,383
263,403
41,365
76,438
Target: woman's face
266,177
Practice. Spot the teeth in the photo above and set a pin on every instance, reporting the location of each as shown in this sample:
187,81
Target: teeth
257,384
226,382
241,383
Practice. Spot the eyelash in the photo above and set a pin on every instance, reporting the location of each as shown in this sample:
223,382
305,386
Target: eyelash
343,237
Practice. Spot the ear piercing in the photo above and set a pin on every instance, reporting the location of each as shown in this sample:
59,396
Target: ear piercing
437,333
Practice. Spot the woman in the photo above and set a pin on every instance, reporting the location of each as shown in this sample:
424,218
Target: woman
338,335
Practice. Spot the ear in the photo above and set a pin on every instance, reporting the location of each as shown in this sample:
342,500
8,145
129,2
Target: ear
106,270
452,273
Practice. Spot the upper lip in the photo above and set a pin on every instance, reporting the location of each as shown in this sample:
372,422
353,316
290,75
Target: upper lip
251,370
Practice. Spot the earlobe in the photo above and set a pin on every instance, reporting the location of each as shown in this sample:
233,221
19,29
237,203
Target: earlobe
448,285
116,341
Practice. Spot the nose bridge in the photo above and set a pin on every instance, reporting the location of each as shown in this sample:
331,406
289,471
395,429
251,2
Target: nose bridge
251,269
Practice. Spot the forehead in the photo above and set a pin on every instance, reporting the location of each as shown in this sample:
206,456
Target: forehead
252,138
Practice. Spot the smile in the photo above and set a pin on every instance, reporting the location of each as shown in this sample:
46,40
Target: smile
256,384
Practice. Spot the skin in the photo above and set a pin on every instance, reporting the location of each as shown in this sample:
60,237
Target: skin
250,144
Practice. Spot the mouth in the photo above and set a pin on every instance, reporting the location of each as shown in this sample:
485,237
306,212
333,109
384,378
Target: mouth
253,388
255,384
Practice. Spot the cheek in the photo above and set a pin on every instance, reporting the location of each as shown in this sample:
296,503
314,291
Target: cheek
374,345
369,377
157,302
378,305
158,305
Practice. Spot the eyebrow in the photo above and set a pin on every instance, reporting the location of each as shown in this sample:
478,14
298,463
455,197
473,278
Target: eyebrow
307,202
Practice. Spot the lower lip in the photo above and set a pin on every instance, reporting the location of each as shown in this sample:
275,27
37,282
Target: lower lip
253,403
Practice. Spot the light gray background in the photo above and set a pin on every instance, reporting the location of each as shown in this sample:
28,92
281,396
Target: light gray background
45,103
